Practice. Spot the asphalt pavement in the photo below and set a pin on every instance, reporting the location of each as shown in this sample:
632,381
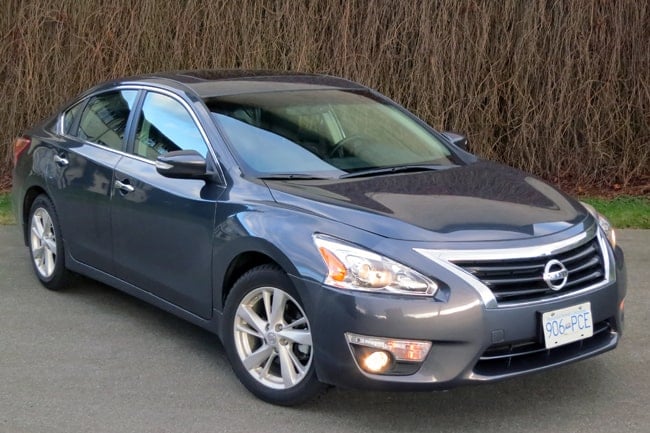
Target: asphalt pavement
91,359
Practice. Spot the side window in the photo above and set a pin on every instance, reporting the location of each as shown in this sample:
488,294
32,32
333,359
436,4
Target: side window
104,119
164,126
69,118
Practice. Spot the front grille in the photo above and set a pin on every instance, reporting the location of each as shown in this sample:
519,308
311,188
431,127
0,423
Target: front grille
522,279
503,359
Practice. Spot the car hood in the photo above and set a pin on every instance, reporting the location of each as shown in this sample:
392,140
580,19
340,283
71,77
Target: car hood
479,202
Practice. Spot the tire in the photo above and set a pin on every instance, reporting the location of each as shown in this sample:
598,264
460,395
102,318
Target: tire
267,337
46,244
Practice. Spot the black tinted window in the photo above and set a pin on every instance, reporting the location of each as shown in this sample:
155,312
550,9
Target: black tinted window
164,126
69,118
104,119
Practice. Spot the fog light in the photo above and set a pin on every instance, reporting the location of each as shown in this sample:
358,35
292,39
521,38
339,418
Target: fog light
376,362
379,355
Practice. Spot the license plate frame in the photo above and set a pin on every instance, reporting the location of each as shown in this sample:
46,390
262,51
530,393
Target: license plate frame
567,325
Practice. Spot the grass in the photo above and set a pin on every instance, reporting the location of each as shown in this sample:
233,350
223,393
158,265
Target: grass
623,211
6,213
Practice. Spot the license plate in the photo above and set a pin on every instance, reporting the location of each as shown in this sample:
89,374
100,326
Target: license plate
567,325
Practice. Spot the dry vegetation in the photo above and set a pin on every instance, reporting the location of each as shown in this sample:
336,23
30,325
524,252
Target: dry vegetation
560,88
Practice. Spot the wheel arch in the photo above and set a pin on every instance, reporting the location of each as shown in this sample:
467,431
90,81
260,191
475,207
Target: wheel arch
254,339
28,199
248,254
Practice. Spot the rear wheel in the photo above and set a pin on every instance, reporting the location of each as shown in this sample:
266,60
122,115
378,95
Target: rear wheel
268,339
46,244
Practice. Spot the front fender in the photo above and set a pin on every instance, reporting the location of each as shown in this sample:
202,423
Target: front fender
283,235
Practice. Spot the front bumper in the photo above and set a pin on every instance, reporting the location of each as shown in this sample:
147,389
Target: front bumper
470,343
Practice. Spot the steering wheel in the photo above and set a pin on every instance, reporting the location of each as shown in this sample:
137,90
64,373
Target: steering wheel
347,145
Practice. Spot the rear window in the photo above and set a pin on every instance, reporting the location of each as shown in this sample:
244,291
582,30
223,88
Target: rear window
105,116
70,119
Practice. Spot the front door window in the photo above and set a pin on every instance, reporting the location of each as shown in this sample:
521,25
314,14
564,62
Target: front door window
165,126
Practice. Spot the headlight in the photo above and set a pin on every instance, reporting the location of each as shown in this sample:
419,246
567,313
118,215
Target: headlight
604,224
353,268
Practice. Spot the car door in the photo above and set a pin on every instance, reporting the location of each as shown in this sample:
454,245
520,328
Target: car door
93,140
162,227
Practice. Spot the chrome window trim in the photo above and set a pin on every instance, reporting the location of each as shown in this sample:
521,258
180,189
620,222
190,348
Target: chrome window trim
59,122
146,88
60,119
445,258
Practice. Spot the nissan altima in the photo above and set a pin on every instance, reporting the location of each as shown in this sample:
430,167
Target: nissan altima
324,233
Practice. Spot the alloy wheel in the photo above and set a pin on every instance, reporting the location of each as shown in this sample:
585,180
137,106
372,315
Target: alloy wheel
43,242
273,338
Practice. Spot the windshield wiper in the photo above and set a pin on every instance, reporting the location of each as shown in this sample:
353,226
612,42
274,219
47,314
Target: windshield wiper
394,169
291,176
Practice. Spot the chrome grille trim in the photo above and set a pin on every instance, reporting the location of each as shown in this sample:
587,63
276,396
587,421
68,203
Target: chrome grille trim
446,258
512,253
521,279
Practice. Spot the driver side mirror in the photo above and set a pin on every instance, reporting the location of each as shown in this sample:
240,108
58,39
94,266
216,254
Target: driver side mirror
182,164
457,140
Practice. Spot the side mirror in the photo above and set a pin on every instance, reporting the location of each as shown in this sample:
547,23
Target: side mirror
457,140
182,164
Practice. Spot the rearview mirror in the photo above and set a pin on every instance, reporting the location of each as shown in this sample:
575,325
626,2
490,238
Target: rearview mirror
182,164
457,139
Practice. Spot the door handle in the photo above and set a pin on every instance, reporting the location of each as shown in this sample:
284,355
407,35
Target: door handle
60,161
124,187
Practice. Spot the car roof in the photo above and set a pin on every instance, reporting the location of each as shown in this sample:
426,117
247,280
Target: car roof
222,82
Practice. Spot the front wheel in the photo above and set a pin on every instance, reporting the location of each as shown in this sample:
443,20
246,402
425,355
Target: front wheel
46,244
267,337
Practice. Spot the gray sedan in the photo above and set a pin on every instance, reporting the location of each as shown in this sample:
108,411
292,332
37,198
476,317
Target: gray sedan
324,233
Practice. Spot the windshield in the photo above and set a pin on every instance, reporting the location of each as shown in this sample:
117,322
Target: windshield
323,133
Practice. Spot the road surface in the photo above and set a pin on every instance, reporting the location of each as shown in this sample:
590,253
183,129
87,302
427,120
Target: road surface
91,359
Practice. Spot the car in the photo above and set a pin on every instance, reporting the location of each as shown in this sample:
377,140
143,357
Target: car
325,234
